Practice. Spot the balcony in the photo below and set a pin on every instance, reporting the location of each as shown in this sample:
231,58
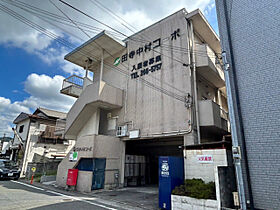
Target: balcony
212,117
72,86
60,127
207,66
96,95
49,136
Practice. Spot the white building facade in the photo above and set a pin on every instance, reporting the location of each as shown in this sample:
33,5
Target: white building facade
149,95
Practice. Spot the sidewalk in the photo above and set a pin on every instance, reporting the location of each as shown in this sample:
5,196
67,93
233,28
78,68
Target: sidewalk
124,198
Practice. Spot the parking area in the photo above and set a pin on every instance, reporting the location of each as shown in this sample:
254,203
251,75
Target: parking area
138,197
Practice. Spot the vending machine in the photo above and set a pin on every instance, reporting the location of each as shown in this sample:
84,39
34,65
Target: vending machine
171,174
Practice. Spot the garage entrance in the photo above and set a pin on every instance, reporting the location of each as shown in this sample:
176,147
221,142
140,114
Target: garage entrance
141,162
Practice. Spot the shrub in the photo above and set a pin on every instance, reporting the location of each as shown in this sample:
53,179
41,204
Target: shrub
196,188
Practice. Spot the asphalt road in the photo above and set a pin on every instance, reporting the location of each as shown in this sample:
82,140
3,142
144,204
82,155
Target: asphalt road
18,195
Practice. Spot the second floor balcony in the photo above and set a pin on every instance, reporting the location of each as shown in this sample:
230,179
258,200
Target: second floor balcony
213,117
72,86
208,65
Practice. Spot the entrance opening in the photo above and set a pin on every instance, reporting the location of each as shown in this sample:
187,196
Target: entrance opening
141,165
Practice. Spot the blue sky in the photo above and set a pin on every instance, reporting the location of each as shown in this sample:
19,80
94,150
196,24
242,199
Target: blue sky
32,66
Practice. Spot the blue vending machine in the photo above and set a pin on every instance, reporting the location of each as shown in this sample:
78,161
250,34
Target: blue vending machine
171,174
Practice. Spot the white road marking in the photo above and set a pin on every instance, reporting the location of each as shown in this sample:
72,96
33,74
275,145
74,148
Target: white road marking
67,196
28,185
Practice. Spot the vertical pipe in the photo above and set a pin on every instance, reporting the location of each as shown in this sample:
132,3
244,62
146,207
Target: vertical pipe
237,162
126,87
86,69
238,107
101,66
195,83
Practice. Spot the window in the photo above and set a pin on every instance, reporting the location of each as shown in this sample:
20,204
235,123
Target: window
21,129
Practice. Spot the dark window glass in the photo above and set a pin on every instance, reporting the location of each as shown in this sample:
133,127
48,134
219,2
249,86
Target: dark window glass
21,128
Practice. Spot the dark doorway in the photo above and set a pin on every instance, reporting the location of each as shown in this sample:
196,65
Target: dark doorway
151,150
97,166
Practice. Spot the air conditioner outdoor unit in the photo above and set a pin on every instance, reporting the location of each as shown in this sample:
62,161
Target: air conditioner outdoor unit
121,131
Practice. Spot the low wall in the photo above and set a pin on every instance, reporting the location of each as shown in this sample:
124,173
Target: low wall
49,168
184,202
204,170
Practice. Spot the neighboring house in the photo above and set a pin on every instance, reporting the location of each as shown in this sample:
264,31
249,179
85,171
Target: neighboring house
250,37
39,138
152,94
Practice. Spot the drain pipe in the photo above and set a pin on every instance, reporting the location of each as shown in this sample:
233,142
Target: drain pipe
101,66
195,83
233,121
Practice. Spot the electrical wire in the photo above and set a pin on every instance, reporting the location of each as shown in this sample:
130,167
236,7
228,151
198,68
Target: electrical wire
71,46
57,18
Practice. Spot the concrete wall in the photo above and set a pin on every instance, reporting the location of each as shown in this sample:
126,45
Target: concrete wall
184,202
107,147
205,171
255,38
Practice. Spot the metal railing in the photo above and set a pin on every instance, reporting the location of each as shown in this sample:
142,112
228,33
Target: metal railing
211,55
224,114
75,80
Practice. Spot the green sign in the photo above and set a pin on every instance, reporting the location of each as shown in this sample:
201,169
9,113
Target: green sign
117,61
75,155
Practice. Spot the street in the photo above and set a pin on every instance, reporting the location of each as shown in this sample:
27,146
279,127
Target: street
19,195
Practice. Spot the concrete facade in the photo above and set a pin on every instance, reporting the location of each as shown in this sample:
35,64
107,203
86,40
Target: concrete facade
254,75
204,171
144,85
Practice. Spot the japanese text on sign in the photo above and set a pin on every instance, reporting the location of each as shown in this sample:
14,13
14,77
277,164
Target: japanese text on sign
205,158
143,68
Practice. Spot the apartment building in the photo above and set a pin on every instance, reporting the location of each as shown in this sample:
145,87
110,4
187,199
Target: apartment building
39,137
151,94
250,38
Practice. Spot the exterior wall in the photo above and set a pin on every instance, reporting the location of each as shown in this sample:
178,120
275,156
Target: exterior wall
24,134
143,105
107,147
86,141
91,126
255,39
205,171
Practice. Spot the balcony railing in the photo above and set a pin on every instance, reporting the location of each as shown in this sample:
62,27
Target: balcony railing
208,65
212,115
73,80
60,127
49,135
72,86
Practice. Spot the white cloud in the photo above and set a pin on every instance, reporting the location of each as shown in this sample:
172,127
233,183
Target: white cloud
44,92
140,14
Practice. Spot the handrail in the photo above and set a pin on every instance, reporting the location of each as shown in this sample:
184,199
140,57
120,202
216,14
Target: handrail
73,80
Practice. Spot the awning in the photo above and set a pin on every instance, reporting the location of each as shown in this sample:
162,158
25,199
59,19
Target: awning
93,49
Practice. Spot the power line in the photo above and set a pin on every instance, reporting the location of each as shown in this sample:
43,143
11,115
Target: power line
69,18
89,16
69,45
122,63
110,12
56,18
